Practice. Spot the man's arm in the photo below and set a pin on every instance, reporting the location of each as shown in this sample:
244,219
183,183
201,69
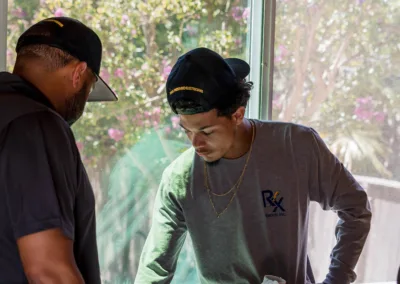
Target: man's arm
47,257
165,240
40,203
332,185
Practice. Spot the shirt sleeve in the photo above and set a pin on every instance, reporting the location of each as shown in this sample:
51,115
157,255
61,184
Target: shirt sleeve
39,174
165,240
332,185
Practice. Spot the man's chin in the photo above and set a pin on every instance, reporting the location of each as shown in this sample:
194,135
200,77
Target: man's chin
211,161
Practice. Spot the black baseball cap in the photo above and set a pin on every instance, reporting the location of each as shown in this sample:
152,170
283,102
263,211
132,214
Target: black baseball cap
78,40
205,78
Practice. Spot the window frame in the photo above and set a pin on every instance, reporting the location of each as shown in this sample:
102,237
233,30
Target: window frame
3,34
261,58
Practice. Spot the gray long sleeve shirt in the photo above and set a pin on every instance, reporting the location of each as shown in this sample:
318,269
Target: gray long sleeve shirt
264,230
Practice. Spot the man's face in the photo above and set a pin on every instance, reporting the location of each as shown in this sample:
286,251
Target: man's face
75,104
211,135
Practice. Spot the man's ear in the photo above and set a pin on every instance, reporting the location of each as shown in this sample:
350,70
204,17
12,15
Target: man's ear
238,116
78,74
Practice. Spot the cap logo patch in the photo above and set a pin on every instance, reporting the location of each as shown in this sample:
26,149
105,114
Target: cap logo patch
186,88
55,21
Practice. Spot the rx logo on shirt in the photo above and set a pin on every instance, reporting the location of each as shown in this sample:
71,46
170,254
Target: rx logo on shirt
273,202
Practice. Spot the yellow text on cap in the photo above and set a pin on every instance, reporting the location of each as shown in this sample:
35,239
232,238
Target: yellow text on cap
186,88
55,21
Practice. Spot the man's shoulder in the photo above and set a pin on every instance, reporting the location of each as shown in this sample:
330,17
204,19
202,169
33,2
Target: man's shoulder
41,128
20,110
179,171
41,119
182,164
284,129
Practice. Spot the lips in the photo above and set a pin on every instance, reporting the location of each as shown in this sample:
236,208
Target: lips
201,153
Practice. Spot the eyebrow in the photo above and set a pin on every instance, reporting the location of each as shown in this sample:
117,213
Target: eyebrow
202,128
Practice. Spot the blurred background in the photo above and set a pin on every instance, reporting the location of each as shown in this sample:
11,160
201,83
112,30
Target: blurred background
334,65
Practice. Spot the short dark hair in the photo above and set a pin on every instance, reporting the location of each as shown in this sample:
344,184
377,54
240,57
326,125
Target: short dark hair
53,58
240,97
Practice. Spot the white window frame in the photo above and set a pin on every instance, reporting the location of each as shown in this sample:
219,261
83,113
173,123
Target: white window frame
261,58
3,34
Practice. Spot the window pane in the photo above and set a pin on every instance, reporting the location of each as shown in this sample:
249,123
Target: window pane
337,70
126,145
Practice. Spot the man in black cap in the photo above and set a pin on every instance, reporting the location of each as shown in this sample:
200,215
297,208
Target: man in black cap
47,207
242,191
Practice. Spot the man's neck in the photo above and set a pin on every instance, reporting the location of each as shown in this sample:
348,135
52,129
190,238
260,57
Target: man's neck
46,86
243,140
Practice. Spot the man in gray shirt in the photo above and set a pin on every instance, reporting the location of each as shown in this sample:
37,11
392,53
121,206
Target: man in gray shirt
243,190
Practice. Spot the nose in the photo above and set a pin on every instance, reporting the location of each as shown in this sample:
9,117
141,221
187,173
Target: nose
197,140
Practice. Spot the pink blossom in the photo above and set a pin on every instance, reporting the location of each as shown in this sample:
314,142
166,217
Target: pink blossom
191,30
133,32
365,101
116,134
364,109
283,50
246,13
19,13
363,113
155,124
124,19
236,13
136,73
147,114
379,116
105,75
9,53
276,103
167,130
145,66
123,117
119,73
280,53
238,41
166,71
59,12
175,121
157,110
80,146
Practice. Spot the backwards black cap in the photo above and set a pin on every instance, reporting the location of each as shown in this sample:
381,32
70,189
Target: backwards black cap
204,77
76,39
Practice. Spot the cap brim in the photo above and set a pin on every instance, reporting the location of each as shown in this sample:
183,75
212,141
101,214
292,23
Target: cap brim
239,66
102,92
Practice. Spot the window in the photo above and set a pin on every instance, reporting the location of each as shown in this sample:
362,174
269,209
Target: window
337,70
126,145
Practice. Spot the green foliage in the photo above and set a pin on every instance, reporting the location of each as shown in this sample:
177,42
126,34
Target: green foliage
141,42
337,68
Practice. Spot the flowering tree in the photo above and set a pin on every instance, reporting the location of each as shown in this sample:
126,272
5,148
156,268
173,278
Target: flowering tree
336,68
141,42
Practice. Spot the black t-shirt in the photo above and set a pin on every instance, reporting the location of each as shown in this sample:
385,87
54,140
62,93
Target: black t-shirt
43,183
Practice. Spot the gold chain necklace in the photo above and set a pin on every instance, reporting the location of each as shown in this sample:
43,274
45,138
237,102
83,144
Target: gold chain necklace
237,184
